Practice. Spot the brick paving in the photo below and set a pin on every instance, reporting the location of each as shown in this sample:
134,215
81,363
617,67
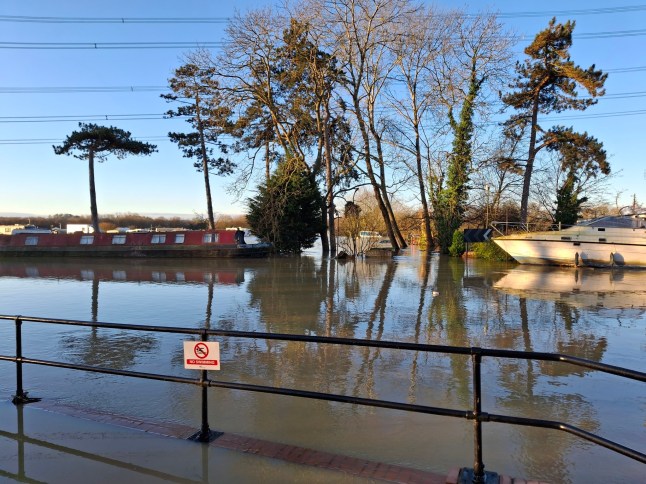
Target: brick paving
288,453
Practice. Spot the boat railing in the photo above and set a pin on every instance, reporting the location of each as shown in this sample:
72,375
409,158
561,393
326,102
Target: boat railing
508,228
476,354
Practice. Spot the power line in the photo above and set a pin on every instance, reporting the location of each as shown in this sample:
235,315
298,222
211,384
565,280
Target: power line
79,89
621,70
127,117
107,45
82,117
219,44
114,20
580,11
599,115
222,20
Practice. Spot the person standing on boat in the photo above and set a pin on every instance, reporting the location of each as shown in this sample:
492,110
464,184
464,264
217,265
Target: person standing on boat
239,236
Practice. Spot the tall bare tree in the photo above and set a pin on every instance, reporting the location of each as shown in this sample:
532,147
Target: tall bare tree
421,40
363,32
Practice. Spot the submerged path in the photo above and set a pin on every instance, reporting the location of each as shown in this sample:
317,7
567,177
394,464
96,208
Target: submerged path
56,442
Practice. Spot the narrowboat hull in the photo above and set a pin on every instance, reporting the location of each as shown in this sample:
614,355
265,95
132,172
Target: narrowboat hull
184,244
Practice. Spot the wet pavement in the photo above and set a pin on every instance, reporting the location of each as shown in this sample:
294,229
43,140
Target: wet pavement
49,442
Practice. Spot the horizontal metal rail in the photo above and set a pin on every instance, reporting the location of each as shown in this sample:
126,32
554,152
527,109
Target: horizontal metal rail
399,345
476,354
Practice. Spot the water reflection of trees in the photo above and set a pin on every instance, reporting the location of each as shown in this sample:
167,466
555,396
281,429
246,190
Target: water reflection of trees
121,349
447,318
106,347
467,313
301,296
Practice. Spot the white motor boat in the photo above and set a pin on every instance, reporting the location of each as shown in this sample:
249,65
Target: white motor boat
603,242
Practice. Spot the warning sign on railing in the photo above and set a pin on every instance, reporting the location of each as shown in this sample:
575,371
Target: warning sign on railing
201,355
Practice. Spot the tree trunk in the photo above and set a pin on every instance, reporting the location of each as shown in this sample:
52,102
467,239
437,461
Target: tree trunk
397,239
267,163
93,210
207,182
531,155
329,182
325,243
422,191
401,241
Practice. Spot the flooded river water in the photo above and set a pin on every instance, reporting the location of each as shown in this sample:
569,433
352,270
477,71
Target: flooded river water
594,314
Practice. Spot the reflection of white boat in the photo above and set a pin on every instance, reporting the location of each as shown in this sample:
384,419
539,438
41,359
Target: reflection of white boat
603,242
580,287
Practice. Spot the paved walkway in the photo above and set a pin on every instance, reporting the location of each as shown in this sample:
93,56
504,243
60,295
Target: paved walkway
49,442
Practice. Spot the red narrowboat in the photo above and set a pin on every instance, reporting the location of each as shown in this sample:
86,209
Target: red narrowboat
152,244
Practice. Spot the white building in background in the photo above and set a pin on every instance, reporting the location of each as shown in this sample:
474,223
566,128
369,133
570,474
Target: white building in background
7,229
85,228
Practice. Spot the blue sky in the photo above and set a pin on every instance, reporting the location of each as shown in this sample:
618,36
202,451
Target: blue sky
36,181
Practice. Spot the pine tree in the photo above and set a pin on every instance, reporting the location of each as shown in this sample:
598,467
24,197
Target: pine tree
287,210
546,83
93,142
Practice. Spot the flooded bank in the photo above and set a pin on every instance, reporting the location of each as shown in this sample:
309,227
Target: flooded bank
593,314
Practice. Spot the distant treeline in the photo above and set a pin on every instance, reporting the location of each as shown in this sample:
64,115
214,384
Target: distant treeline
130,220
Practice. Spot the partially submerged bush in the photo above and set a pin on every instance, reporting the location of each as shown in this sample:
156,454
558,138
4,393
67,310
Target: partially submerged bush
457,247
490,251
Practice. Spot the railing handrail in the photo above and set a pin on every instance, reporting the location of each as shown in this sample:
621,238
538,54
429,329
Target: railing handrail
504,228
476,354
399,345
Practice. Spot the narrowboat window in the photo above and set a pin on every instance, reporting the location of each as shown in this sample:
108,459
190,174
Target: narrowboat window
208,238
87,239
179,238
118,239
158,276
31,240
211,238
159,238
602,240
87,275
566,238
119,275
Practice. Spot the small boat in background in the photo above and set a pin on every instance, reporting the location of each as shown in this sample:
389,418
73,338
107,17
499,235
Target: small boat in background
612,241
178,244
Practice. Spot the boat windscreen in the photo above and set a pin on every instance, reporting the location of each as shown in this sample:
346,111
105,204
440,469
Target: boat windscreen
615,222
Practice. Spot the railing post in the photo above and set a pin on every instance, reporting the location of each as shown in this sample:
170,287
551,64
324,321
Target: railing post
204,430
21,396
478,465
205,434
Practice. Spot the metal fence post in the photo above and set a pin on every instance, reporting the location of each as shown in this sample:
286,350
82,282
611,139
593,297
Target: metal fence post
478,465
21,396
205,434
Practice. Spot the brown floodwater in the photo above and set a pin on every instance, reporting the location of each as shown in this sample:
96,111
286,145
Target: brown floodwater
594,314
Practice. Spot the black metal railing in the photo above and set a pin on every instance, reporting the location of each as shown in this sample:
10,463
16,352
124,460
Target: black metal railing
475,353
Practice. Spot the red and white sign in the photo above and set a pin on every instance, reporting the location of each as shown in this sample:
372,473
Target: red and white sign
201,355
